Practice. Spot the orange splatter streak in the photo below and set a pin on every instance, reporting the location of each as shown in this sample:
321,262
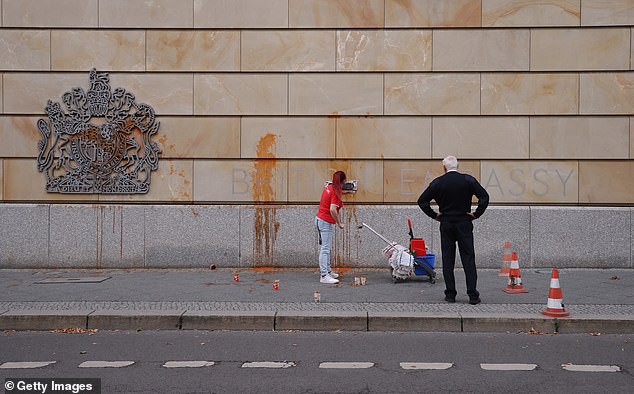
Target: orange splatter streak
265,224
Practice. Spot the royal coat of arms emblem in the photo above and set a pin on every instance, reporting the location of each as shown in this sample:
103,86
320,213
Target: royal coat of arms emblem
102,144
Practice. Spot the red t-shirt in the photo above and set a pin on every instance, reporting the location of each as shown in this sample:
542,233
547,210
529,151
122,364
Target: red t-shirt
328,197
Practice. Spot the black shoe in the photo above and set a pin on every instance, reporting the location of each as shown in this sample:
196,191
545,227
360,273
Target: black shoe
450,299
475,301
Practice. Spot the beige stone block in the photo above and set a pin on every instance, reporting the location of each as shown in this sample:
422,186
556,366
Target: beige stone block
27,93
102,49
289,50
529,94
531,181
168,94
1,181
23,182
171,182
580,49
177,50
306,179
515,13
19,136
263,180
146,14
335,94
481,137
384,50
580,137
25,50
336,13
606,182
405,180
607,12
1,95
606,93
384,138
631,138
284,138
632,49
199,137
50,13
240,94
432,13
432,94
241,14
481,50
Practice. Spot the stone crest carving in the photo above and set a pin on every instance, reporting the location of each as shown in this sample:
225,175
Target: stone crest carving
102,144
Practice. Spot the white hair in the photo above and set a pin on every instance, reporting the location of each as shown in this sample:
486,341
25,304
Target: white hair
450,163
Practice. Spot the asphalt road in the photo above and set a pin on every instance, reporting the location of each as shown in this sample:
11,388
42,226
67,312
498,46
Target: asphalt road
311,362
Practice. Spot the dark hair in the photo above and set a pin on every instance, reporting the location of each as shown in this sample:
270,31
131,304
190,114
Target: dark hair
338,178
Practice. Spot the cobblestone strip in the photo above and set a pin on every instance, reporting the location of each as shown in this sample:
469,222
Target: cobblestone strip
597,310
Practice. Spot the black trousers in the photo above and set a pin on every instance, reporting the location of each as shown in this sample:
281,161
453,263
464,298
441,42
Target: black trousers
462,233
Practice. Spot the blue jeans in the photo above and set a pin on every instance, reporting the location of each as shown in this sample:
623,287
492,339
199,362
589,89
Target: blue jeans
325,232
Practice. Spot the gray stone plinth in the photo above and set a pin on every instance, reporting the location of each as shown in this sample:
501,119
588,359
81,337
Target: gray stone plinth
282,236
73,236
581,237
121,236
30,319
229,320
411,321
497,225
514,323
321,320
192,236
135,319
24,235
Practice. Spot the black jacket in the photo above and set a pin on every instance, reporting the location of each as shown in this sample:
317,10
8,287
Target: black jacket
453,192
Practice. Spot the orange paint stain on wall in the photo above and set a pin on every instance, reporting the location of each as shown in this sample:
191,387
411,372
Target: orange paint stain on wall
265,225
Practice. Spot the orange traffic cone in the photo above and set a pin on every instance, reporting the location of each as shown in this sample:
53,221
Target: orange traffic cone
555,307
506,260
515,278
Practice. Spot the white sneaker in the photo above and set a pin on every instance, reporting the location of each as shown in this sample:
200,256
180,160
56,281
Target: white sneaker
334,274
328,279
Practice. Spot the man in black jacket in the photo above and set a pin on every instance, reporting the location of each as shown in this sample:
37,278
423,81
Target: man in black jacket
453,192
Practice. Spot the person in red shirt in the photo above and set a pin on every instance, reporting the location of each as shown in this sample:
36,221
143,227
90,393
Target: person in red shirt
326,219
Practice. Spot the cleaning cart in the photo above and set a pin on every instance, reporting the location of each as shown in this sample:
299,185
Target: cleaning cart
407,262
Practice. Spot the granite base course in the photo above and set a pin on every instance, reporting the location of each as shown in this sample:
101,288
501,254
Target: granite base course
196,236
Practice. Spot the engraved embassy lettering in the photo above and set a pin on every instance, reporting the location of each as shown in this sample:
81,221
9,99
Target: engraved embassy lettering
102,144
520,182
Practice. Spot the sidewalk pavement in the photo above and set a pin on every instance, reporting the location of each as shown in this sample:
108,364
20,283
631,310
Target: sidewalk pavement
600,301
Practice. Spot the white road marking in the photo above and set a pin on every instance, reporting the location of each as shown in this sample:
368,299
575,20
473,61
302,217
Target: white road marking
591,368
25,364
188,364
268,364
343,365
508,367
105,364
426,365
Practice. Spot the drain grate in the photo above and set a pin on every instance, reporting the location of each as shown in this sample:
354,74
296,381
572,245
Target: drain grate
87,279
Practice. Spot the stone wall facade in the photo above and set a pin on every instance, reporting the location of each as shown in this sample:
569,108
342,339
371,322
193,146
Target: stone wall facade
535,98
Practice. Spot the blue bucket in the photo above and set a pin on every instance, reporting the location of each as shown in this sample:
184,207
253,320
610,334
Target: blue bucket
428,260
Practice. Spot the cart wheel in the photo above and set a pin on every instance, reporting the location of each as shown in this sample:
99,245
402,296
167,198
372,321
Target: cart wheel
432,279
